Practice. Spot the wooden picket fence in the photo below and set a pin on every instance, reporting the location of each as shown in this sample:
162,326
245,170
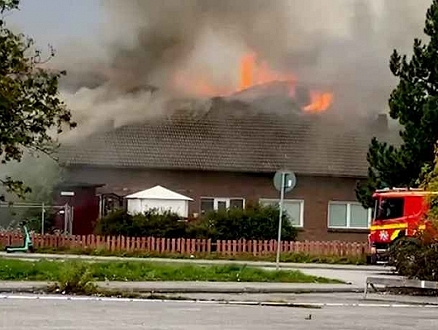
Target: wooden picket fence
188,246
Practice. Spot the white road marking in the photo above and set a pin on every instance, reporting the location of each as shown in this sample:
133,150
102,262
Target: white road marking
218,302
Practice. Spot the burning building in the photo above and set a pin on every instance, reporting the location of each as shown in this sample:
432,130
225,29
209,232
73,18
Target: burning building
216,97
226,155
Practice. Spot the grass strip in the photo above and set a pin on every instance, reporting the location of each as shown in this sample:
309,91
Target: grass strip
45,270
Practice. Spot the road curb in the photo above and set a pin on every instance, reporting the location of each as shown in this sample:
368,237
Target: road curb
239,291
142,289
26,289
270,303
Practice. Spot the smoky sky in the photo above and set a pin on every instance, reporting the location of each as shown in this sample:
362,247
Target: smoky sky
339,45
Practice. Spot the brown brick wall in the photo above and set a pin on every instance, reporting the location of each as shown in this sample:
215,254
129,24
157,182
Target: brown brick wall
315,191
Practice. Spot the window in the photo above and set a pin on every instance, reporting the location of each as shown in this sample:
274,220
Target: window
236,203
215,204
389,208
207,205
293,207
348,215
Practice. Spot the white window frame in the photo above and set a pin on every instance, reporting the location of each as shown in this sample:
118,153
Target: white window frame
300,201
227,200
370,211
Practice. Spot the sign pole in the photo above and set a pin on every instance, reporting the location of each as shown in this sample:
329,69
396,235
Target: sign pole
43,216
283,175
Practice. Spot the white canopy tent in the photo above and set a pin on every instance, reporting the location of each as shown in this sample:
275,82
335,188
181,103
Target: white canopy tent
159,198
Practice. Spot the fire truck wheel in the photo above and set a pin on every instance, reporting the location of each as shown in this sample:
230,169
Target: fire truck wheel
372,259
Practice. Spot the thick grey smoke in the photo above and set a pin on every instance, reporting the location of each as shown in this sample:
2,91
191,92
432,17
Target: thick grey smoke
338,45
126,72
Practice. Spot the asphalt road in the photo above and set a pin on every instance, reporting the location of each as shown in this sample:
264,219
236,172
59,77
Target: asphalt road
61,314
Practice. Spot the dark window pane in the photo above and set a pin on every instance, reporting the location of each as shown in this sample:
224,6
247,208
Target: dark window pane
390,208
236,203
221,205
207,205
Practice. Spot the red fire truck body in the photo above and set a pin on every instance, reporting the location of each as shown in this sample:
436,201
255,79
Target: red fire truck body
398,212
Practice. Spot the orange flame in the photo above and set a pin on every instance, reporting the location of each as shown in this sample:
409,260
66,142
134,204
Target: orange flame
319,101
246,71
251,73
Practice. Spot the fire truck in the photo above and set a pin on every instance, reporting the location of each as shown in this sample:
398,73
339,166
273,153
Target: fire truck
398,212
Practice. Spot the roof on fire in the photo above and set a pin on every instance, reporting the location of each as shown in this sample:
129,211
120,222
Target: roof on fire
231,136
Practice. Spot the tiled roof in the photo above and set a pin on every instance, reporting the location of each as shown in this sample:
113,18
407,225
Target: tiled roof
231,136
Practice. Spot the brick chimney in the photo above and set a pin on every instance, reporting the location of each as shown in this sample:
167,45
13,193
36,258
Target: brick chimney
382,123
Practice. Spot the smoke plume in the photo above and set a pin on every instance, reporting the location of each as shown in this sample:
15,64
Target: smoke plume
129,72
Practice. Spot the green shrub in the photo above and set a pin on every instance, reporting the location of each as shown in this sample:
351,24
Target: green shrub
154,224
34,221
150,223
118,222
75,278
415,257
255,222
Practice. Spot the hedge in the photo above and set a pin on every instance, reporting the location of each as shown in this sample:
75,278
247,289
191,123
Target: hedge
254,222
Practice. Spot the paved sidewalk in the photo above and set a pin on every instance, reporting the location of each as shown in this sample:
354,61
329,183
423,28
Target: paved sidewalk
194,287
263,264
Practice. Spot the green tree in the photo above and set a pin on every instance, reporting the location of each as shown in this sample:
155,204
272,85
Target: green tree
31,112
430,183
414,103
